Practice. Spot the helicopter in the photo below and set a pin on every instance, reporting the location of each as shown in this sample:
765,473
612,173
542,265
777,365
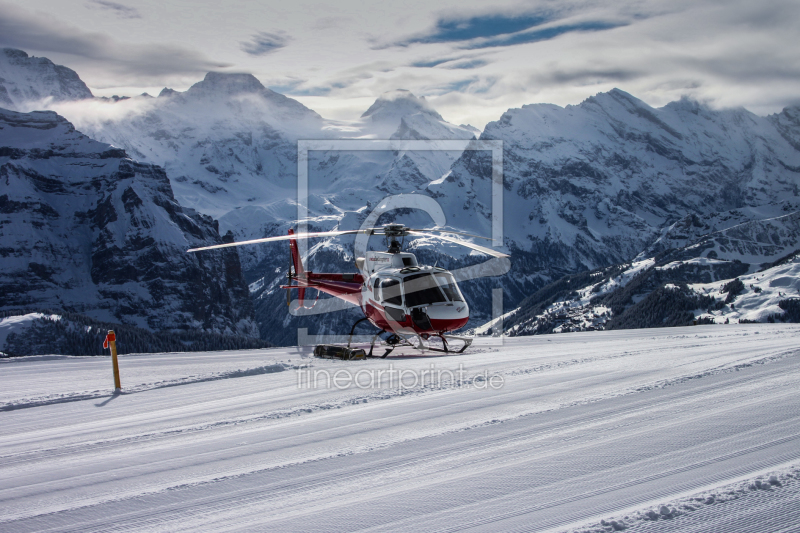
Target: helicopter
396,294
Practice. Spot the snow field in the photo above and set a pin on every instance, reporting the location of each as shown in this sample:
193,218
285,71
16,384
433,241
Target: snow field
763,291
766,503
586,426
17,324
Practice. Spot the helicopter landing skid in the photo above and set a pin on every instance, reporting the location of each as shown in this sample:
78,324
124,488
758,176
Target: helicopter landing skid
395,340
466,340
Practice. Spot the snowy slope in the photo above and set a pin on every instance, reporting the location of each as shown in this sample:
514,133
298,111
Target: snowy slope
84,228
585,427
571,303
25,333
28,83
677,288
19,324
760,297
758,234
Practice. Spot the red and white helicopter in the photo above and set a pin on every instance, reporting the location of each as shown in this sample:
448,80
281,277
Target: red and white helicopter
414,302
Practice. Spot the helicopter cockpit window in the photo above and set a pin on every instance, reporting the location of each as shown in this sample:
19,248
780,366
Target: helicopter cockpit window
421,289
390,291
448,285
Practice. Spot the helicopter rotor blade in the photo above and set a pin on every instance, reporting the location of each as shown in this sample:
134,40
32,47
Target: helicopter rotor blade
482,249
367,231
282,238
436,230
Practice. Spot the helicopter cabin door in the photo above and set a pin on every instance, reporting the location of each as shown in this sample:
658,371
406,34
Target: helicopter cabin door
391,298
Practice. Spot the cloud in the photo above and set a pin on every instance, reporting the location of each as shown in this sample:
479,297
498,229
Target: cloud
544,34
723,52
43,33
727,52
451,63
501,29
469,64
586,76
345,79
285,85
308,91
264,42
90,114
430,63
122,11
455,86
448,30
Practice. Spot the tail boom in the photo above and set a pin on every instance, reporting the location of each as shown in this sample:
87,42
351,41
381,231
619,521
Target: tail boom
345,286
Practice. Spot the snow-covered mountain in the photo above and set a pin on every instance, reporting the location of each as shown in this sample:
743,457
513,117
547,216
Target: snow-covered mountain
595,184
229,147
226,142
86,229
27,82
587,186
647,293
724,276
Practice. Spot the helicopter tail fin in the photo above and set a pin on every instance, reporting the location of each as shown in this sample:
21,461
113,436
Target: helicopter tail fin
297,261
299,271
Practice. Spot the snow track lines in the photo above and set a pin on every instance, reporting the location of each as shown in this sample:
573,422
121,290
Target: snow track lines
588,426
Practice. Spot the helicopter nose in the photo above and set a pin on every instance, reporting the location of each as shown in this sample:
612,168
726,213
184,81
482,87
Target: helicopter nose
449,317
450,311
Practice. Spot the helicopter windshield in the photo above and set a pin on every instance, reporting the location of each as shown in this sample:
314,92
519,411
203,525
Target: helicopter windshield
448,285
421,289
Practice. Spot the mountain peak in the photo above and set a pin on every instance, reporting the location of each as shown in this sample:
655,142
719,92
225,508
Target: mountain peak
615,97
15,53
227,83
393,105
27,80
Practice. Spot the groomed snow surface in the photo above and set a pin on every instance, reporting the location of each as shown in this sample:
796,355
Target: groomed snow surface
680,429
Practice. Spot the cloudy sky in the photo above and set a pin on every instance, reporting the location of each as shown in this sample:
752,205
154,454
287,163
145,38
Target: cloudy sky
472,60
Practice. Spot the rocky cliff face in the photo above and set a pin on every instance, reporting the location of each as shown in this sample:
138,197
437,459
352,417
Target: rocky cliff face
84,228
595,184
27,81
753,235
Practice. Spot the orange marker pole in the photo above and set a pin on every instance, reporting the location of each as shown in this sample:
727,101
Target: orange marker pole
111,342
